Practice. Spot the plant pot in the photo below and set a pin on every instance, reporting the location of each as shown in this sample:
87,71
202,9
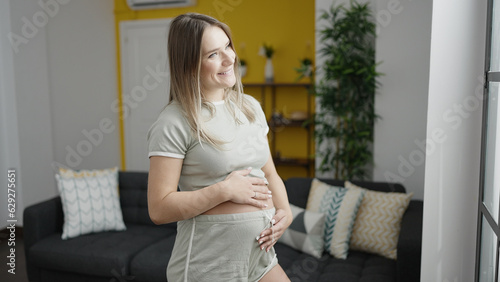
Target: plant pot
269,70
243,71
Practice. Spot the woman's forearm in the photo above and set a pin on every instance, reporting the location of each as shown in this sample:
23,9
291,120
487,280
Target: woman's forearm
166,204
177,206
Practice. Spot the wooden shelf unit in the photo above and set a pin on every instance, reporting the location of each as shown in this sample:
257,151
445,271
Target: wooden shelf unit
306,162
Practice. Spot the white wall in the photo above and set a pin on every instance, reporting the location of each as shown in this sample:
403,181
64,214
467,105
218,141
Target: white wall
83,80
403,48
60,76
9,135
31,107
454,122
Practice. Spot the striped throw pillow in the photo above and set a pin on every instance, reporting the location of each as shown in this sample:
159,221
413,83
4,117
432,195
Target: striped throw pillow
378,223
340,206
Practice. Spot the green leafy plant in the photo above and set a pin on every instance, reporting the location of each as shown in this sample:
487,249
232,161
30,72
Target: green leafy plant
305,69
346,92
266,50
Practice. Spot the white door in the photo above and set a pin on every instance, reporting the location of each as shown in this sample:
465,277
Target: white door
145,84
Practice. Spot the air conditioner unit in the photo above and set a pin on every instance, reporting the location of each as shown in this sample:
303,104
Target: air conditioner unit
158,4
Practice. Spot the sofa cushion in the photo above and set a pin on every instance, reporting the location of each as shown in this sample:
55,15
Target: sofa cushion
90,201
306,233
299,266
151,263
358,267
377,226
297,190
99,254
340,206
133,197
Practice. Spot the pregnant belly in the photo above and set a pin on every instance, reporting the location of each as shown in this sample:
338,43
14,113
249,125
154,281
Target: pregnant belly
230,207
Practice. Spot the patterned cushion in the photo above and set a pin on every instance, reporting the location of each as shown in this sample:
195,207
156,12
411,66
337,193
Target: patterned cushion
90,201
340,206
377,226
306,232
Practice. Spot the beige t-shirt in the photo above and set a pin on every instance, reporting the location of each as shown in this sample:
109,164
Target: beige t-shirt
246,144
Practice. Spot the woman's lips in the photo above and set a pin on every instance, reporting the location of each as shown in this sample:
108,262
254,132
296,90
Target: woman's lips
226,72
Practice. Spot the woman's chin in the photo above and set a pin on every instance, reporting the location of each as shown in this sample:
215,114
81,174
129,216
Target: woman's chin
230,84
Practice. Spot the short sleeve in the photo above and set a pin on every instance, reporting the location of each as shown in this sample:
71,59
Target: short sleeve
260,117
170,134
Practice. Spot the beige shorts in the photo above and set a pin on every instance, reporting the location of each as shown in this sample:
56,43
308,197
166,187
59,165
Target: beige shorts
221,248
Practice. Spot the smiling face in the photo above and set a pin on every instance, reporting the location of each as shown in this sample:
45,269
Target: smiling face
217,63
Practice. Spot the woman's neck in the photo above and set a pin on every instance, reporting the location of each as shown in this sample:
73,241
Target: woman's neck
215,96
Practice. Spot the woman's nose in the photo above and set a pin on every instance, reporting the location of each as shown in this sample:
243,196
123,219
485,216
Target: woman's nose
228,58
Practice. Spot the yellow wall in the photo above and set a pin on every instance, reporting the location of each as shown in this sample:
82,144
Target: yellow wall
288,25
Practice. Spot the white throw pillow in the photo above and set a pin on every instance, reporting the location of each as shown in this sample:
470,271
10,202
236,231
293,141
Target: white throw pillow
90,201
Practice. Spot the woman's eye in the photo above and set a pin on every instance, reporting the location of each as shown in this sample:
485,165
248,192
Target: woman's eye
212,55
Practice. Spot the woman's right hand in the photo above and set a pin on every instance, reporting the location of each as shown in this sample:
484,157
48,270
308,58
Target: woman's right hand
247,190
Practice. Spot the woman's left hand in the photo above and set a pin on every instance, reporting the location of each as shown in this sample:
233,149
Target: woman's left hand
270,236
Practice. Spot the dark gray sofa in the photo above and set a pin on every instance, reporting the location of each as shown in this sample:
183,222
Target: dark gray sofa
142,252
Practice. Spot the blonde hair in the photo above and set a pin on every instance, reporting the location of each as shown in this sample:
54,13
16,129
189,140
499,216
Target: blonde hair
184,54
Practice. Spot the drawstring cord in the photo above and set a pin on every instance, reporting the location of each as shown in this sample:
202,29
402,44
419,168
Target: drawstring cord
271,224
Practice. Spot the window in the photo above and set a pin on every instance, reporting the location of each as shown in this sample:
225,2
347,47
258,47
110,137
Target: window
487,258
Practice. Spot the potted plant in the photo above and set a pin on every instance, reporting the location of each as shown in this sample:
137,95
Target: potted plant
267,51
305,69
243,68
346,92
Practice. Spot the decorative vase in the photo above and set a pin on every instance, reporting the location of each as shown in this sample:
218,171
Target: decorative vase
308,71
243,71
269,71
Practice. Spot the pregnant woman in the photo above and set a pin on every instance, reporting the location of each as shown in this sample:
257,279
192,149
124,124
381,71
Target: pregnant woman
210,140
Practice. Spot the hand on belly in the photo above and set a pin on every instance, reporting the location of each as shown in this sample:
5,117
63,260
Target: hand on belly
245,193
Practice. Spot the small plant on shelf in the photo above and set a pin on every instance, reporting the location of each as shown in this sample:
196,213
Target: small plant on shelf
306,69
243,67
267,51
346,92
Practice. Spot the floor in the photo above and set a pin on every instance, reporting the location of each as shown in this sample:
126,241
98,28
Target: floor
20,262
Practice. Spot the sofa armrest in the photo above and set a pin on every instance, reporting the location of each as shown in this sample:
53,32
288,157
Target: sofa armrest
410,243
39,221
